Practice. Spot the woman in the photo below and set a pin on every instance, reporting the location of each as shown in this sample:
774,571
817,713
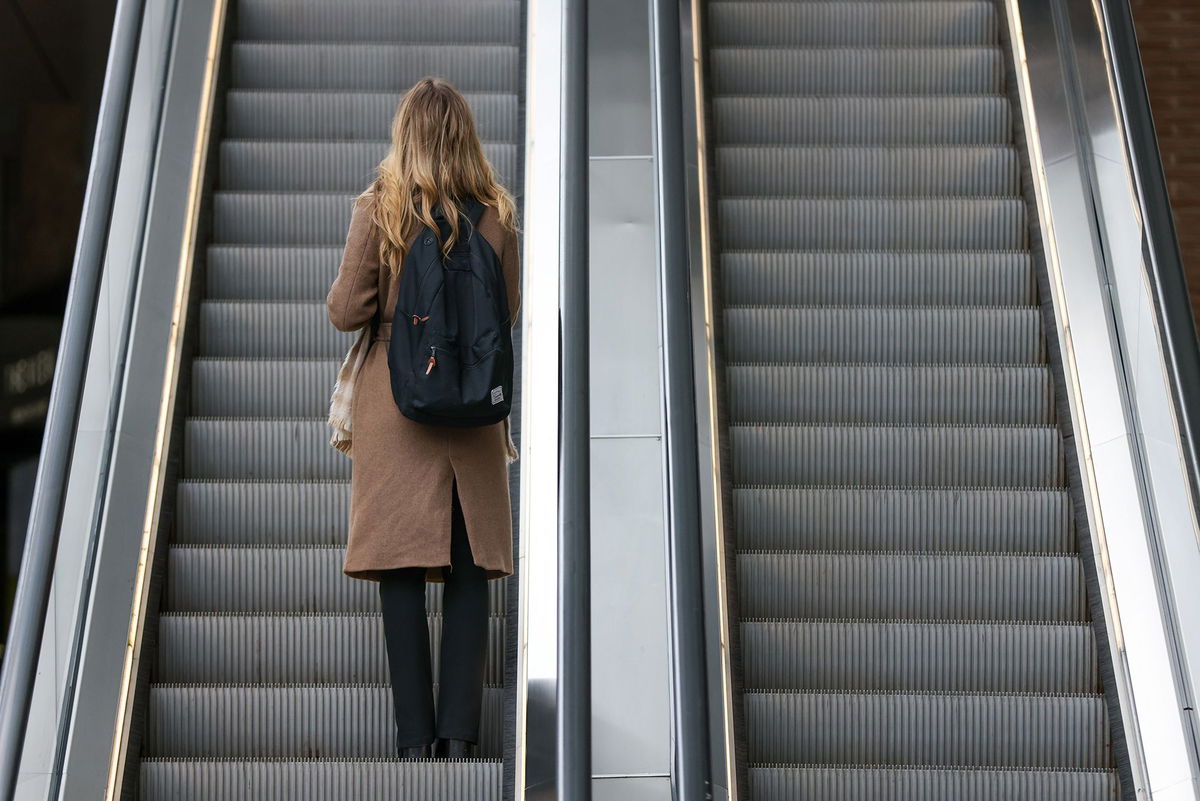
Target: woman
428,503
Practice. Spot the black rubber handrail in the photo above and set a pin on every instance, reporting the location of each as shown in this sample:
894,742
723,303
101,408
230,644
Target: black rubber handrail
574,708
692,774
1164,262
23,644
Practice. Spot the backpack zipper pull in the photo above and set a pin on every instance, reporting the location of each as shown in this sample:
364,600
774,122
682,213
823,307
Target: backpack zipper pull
432,358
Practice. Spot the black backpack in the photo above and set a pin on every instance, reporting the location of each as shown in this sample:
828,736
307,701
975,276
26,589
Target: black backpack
451,353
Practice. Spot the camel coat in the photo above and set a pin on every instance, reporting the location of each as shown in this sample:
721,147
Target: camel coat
401,473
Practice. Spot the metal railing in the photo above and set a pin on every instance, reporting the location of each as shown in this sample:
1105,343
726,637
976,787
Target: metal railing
41,542
691,769
574,740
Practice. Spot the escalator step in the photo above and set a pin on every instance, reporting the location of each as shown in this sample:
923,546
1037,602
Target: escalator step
295,449
832,70
912,586
366,66
996,520
270,330
856,171
868,393
885,655
834,223
281,218
319,721
320,166
944,456
935,729
967,120
370,20
270,272
280,580
942,22
320,780
825,278
262,512
262,387
293,649
1007,335
832,783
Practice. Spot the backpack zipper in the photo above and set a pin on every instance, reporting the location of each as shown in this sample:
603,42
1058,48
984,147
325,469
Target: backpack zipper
432,358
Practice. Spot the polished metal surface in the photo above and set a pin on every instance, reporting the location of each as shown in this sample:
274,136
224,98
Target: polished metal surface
1139,498
537,629
574,763
691,778
712,515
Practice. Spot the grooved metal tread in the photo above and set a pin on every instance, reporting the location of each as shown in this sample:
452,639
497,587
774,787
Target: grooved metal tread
285,649
287,720
283,579
912,605
877,278
320,779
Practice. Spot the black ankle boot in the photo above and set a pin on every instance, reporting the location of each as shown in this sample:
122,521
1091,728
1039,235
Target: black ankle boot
454,749
415,752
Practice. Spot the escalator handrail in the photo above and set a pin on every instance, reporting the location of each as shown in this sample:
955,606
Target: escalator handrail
23,644
1160,245
692,778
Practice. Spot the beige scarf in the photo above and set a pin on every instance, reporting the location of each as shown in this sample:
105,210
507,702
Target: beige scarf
342,400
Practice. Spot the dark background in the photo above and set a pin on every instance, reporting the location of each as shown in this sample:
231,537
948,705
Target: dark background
52,59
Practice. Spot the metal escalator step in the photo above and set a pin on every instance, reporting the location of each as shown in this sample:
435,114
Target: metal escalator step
281,218
900,335
365,67
307,580
942,22
970,730
369,20
874,394
886,655
833,783
262,512
271,272
917,455
976,120
991,520
292,449
912,586
341,115
270,330
292,649
262,387
857,171
298,721
869,223
828,278
778,70
320,166
320,780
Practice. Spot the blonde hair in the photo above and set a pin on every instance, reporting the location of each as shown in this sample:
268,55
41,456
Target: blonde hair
435,159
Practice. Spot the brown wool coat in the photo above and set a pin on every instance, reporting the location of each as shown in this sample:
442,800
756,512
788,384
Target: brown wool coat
401,473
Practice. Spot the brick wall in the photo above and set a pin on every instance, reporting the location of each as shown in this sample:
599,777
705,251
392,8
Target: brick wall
1169,37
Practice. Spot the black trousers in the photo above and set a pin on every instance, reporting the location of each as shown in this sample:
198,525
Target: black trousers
464,645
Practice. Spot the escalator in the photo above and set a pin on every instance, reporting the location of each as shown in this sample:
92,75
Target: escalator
910,599
269,675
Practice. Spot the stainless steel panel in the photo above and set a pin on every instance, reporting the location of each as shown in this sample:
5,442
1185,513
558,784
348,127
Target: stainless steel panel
630,681
626,387
619,78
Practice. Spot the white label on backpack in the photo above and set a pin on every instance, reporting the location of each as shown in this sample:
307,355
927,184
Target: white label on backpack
497,395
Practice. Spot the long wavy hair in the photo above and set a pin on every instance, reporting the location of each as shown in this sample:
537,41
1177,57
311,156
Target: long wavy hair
436,159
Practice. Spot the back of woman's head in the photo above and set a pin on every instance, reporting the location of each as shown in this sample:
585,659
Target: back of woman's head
435,159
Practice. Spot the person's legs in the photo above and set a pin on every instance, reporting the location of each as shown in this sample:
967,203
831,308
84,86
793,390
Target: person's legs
402,595
464,637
